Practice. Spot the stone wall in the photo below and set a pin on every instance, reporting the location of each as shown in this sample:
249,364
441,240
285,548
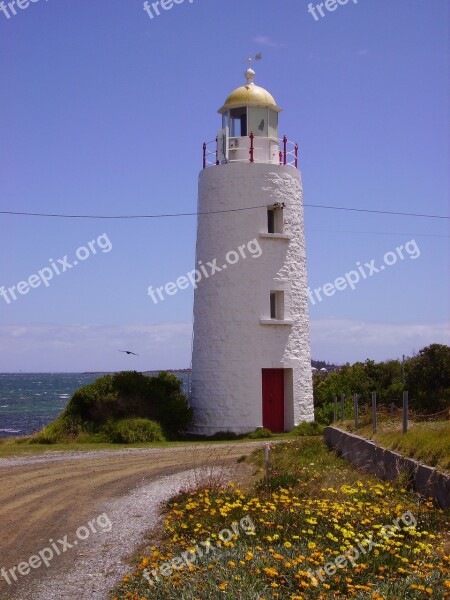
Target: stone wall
388,465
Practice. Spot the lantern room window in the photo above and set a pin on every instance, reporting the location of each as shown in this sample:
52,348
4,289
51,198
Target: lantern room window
238,122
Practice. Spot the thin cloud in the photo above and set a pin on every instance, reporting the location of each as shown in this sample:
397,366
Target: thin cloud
264,40
77,348
345,340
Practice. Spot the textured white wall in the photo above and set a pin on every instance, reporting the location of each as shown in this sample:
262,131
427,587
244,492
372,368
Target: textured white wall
231,346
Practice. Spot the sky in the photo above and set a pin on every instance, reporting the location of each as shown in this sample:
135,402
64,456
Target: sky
104,111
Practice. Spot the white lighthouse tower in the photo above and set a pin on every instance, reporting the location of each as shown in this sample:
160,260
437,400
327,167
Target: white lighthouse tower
251,363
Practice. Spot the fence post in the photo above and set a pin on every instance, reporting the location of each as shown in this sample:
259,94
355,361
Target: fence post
266,451
342,407
374,411
335,409
405,412
355,408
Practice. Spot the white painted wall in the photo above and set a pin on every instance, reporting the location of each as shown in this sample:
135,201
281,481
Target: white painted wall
231,346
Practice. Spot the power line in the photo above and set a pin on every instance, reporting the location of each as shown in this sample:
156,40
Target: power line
213,212
159,216
380,212
380,232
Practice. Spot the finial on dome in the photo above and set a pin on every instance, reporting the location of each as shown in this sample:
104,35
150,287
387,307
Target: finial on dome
250,76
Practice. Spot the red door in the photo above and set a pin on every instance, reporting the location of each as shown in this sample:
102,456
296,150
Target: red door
273,399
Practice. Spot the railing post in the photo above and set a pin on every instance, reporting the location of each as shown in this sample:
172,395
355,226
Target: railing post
296,155
284,149
217,152
204,155
281,157
252,148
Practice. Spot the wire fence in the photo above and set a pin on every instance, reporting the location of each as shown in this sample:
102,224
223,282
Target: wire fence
366,414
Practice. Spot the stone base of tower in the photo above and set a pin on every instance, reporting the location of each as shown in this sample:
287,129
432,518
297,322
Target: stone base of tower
236,403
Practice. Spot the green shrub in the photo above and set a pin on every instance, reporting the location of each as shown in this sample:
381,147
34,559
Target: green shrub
67,427
324,414
260,433
134,431
306,428
132,395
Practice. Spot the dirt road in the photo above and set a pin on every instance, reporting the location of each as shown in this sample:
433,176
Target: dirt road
44,499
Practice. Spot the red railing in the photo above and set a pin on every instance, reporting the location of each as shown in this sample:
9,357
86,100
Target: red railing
288,154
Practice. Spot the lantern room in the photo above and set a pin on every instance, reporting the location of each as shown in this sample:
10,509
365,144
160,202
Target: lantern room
250,108
249,130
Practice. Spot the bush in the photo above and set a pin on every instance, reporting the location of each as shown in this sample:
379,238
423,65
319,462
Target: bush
325,414
115,398
134,431
66,428
306,428
132,395
260,433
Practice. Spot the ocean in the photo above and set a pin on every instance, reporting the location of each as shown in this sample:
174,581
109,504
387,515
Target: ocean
29,401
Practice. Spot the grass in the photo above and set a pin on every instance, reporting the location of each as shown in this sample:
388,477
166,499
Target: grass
427,442
260,544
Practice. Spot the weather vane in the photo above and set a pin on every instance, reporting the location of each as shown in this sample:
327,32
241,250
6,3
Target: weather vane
250,59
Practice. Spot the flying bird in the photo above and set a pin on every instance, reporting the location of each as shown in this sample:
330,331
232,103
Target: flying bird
129,352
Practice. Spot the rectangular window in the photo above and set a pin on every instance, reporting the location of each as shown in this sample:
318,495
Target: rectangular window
275,220
257,121
238,122
273,124
277,305
270,220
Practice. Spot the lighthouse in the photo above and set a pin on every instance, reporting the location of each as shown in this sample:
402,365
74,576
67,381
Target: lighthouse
251,357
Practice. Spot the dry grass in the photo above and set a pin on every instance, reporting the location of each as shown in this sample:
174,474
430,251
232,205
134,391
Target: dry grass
427,442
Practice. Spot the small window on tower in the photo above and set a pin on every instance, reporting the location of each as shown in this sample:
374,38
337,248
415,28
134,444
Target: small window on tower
277,305
270,220
275,221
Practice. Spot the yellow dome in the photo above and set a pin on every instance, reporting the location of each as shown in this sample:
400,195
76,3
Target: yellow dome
250,95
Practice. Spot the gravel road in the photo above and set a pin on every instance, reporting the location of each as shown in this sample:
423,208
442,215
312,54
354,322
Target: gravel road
51,496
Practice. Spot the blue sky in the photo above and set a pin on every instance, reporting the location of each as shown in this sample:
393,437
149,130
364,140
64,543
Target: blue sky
104,111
